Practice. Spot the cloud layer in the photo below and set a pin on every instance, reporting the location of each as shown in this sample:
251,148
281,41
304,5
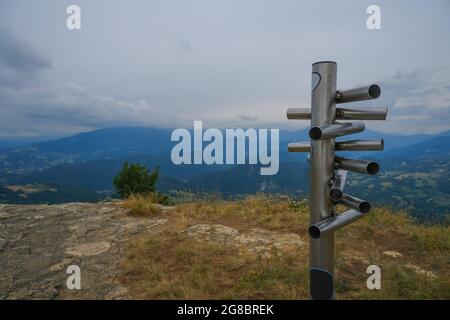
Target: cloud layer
417,101
18,61
229,63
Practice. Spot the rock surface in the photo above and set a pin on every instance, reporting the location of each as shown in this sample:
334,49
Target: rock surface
39,242
393,254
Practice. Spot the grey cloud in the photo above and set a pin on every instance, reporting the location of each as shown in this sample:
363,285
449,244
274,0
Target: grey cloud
417,101
168,63
247,118
409,110
18,62
180,48
32,108
442,113
74,106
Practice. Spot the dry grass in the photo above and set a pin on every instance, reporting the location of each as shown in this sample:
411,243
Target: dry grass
268,212
171,265
142,205
175,267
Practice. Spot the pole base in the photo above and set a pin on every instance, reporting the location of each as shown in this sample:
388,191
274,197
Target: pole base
321,285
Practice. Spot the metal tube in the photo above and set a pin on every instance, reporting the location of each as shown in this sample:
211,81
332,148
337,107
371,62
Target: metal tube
323,110
355,203
338,185
354,114
357,165
299,147
360,145
326,227
335,130
299,113
372,91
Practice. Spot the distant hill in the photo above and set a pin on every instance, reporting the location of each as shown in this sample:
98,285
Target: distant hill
292,177
107,143
8,144
13,143
435,147
111,142
414,169
416,177
97,175
120,142
46,193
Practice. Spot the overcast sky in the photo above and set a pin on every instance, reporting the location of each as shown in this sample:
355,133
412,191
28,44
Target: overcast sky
230,63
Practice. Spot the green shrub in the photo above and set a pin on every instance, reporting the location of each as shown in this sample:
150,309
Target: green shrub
135,179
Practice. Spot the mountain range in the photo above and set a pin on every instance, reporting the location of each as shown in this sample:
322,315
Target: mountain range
414,176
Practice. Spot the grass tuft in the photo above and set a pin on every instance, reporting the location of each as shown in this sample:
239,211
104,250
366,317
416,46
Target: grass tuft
142,205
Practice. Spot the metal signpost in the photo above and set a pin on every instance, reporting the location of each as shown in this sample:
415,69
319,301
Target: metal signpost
328,172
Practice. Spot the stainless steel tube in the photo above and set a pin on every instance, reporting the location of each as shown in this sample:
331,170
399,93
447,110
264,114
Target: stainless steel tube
355,114
323,110
326,227
299,147
335,130
372,91
357,165
360,145
299,113
355,203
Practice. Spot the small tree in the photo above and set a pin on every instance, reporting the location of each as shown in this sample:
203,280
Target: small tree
135,179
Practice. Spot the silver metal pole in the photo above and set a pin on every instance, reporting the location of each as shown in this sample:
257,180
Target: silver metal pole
323,109
327,187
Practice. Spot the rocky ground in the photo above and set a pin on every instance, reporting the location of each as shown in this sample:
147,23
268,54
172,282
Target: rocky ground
39,242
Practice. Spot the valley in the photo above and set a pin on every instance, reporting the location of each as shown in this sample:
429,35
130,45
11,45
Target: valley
414,171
